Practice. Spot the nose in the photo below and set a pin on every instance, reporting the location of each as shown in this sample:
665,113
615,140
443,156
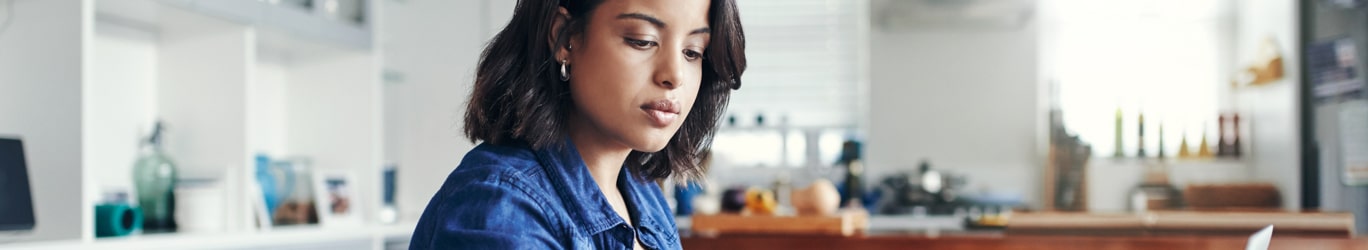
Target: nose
670,67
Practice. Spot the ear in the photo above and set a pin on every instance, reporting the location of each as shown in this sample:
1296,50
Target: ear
558,22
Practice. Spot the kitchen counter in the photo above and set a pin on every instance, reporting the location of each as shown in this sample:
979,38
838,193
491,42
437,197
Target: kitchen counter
1200,231
1001,241
887,223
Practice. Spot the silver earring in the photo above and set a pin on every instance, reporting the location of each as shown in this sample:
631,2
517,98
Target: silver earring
565,75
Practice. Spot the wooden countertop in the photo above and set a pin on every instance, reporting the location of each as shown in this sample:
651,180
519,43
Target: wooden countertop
1156,230
1001,241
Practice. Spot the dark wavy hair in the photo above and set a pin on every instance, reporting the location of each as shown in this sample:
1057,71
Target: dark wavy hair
519,98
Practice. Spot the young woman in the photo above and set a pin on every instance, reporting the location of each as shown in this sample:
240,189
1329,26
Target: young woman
580,106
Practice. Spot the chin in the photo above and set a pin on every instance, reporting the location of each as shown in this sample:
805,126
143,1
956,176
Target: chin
654,140
653,148
653,145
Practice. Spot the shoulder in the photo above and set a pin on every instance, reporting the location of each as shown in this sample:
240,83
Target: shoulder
494,198
498,159
508,170
499,165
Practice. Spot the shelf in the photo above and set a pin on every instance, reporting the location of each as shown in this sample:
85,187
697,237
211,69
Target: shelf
230,80
310,237
281,26
1171,160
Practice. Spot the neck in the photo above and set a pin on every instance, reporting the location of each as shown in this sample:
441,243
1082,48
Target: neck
603,156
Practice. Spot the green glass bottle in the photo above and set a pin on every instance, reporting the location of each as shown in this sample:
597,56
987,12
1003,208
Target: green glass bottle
154,178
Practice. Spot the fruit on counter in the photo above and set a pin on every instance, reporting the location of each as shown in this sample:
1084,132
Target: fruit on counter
817,199
734,200
761,202
998,220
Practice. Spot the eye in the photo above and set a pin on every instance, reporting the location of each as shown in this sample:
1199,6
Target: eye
639,44
693,55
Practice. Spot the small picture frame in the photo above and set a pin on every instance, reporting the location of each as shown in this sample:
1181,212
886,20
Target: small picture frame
338,202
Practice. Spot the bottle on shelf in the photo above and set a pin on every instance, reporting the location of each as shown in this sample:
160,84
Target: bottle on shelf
154,178
1183,151
1222,141
1235,132
1161,141
1204,149
1119,152
854,175
389,212
759,119
1140,141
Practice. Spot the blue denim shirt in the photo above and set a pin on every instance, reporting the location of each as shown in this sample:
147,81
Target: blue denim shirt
512,197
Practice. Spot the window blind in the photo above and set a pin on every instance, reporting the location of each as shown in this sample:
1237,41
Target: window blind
805,62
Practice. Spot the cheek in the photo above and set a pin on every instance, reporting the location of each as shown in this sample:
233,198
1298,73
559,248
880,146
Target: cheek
603,79
600,95
689,97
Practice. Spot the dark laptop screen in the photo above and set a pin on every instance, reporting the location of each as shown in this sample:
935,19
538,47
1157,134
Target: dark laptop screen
16,202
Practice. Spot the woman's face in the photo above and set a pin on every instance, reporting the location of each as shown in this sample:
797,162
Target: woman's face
636,68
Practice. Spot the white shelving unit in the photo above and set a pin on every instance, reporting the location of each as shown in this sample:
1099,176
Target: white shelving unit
377,237
230,79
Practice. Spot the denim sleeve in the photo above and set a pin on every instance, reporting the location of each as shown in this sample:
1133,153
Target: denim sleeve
493,213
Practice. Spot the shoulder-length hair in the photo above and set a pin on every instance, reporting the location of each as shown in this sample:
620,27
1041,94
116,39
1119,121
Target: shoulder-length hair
518,96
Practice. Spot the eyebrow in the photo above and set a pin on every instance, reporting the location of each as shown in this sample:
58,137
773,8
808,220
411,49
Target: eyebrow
659,24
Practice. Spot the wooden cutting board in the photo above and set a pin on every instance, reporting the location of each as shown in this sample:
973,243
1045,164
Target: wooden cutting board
844,223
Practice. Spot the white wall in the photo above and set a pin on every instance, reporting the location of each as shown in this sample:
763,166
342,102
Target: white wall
965,100
269,121
434,45
121,99
1269,113
41,54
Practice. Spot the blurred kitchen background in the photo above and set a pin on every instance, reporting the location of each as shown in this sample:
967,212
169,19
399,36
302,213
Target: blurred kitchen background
312,123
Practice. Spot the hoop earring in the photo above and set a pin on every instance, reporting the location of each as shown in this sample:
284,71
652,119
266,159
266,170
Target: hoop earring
565,75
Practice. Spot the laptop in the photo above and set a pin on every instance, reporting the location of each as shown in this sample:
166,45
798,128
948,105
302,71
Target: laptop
1260,239
16,199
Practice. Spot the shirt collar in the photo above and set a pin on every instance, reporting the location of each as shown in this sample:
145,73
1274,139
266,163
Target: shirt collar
641,195
584,202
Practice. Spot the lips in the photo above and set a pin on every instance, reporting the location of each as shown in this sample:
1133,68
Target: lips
661,112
